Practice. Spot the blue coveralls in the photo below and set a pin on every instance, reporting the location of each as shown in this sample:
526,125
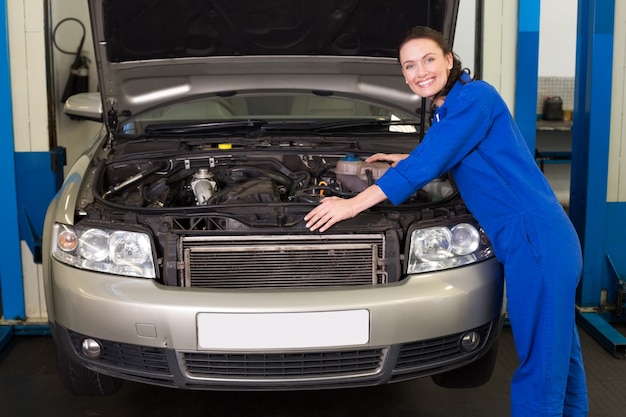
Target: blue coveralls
475,138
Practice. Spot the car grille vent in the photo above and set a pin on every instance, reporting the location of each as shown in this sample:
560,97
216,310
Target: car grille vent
283,261
283,365
127,356
434,352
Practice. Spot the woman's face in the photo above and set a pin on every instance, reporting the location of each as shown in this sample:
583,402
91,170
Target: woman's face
425,67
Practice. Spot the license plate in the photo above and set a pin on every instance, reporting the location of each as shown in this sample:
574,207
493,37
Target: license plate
283,330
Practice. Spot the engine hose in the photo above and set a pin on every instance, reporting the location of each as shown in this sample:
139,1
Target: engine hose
302,180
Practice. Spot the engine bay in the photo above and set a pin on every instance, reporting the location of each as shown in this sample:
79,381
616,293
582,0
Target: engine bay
192,181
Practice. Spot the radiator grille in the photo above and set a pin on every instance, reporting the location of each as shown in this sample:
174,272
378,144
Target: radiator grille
283,365
283,261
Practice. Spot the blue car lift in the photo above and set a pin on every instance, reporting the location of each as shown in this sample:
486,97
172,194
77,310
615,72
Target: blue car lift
10,269
601,298
600,224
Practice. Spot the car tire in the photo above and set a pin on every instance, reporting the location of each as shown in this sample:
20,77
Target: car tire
82,381
472,375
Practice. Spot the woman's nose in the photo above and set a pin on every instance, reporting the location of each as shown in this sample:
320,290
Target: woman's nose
420,70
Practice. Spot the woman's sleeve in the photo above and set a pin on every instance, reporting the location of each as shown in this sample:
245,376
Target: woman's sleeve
464,125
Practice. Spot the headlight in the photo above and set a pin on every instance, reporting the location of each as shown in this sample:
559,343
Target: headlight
112,251
441,247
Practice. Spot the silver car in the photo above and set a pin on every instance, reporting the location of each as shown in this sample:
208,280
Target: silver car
176,253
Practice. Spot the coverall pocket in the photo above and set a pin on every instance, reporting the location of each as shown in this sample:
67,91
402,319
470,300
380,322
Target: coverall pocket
532,238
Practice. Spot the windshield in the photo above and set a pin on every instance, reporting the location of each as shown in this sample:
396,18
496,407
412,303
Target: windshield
312,110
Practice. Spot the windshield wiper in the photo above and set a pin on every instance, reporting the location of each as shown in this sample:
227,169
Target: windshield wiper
253,127
343,126
185,128
367,123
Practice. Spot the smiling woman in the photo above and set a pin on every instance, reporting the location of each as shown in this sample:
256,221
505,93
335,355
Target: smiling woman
475,138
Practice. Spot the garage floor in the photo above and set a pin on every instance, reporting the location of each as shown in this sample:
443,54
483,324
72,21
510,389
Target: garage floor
30,386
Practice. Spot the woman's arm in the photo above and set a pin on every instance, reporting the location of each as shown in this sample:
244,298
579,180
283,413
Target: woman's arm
334,209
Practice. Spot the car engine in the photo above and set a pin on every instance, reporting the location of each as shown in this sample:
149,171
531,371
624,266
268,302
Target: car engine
234,180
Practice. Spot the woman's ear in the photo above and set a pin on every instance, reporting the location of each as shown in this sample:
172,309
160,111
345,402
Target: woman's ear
450,60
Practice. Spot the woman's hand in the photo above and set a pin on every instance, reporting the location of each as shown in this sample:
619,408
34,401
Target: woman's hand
334,209
392,158
330,211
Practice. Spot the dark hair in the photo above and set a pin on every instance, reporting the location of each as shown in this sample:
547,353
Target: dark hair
424,32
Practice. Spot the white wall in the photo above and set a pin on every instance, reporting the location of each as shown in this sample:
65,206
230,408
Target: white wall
616,182
465,35
557,38
71,134
499,47
25,21
28,75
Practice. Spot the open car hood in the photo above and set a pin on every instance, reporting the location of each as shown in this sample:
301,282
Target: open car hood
161,51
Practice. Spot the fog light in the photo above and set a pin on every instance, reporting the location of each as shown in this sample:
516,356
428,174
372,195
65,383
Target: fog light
470,341
91,348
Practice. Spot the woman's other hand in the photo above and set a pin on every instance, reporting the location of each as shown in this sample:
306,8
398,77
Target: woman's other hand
392,158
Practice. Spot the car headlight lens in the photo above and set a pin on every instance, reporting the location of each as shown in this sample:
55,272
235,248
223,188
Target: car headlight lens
98,249
442,247
93,245
465,239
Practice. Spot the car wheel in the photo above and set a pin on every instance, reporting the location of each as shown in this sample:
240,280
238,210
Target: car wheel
472,375
82,381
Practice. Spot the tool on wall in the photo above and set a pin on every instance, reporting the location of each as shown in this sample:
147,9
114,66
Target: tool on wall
78,80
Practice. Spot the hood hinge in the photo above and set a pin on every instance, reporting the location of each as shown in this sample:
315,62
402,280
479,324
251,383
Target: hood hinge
112,119
112,122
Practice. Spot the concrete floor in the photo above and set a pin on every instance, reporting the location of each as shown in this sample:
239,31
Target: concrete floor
30,386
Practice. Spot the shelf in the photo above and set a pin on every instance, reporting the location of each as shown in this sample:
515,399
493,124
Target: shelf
559,125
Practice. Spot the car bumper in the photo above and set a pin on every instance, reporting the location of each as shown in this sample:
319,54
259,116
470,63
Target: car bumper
158,334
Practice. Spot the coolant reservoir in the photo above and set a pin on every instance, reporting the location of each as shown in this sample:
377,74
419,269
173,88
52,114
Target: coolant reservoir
356,175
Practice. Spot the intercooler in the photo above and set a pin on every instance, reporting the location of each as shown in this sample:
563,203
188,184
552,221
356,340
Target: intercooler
286,261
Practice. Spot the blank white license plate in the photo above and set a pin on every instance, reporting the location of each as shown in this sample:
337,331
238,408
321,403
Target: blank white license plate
283,330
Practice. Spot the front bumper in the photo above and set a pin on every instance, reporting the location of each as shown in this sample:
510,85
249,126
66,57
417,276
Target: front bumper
150,333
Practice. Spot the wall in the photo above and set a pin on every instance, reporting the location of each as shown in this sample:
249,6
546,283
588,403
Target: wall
28,75
557,38
71,134
557,52
465,34
616,185
499,47
30,114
